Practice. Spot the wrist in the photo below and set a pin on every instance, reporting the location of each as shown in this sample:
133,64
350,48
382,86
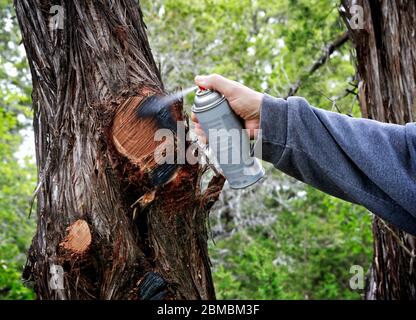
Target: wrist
256,101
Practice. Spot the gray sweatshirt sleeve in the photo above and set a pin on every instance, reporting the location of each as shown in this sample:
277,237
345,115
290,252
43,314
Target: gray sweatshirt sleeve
359,160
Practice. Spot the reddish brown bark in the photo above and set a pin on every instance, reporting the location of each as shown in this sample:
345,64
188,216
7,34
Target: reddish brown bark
116,234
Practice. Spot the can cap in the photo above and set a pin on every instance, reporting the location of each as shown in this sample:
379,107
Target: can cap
206,99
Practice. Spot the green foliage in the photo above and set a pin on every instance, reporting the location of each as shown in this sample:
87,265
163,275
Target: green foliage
269,45
17,182
17,176
248,271
306,254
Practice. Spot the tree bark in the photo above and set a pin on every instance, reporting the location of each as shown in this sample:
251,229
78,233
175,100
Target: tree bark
386,65
102,219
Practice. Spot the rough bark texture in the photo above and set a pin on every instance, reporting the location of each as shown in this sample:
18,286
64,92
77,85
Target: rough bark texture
90,222
386,64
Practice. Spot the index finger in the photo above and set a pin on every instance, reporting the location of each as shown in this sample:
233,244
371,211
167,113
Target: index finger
194,118
216,82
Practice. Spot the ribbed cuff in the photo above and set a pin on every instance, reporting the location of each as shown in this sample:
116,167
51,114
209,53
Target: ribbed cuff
273,125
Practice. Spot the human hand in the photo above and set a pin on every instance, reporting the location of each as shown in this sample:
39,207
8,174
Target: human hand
244,101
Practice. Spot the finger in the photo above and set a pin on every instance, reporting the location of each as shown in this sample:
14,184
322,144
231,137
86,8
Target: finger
252,128
201,135
198,131
198,126
252,133
194,118
217,83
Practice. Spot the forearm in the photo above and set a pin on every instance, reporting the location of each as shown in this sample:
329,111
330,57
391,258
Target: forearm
358,160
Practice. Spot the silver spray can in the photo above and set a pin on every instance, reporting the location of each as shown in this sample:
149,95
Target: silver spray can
227,139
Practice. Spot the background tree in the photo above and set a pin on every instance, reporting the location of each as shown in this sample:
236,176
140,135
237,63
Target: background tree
386,65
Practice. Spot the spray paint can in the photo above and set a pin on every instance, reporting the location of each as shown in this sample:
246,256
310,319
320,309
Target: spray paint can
227,139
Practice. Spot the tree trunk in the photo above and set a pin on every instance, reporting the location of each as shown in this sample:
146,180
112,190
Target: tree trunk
105,223
386,64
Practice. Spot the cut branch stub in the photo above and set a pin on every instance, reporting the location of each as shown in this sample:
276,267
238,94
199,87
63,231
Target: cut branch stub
145,199
134,134
78,238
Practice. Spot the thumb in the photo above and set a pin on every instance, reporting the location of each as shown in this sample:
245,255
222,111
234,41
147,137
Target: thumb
214,82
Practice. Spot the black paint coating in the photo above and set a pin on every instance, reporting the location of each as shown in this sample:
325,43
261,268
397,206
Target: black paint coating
159,296
163,173
159,108
152,286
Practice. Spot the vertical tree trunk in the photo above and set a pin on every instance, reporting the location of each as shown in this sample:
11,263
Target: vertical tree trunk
386,64
103,219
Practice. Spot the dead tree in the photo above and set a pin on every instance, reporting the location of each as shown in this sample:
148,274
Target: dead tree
384,35
115,222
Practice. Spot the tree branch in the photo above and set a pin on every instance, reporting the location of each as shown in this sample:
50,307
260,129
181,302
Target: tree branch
329,49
